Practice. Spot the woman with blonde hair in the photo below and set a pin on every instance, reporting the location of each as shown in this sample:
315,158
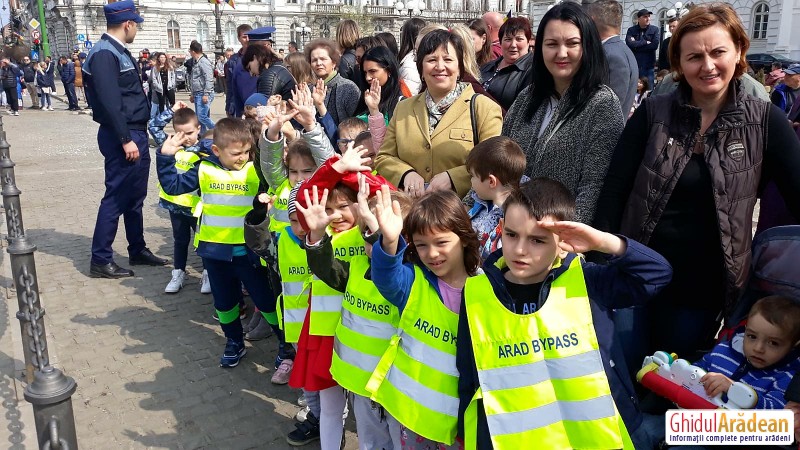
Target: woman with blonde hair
299,67
347,34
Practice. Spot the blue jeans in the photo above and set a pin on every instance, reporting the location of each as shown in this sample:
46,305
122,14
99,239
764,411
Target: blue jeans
203,112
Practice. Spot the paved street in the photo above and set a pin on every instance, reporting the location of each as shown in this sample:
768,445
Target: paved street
146,363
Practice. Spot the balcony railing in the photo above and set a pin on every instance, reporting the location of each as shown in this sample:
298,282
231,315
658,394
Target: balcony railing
324,8
375,10
384,11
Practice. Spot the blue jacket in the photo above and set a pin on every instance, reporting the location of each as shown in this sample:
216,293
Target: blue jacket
628,280
770,383
67,72
175,183
780,97
44,79
241,84
123,105
637,40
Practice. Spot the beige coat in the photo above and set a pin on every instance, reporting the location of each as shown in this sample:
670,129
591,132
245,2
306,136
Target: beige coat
408,146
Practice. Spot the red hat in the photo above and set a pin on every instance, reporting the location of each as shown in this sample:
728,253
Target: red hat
326,177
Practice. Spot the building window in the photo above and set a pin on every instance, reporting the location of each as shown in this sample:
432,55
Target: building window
760,20
203,34
231,38
173,34
663,22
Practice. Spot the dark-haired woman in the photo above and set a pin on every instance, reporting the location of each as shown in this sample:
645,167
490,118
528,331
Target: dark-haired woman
568,121
505,77
408,66
480,41
273,77
380,66
430,134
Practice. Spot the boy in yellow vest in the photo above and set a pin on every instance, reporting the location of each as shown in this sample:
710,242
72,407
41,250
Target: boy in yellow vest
538,364
228,184
184,120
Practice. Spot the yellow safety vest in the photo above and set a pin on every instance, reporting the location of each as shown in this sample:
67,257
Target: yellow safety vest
326,302
184,162
226,197
366,327
279,213
541,375
416,380
296,281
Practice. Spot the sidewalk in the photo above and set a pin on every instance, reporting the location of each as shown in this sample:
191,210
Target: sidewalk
146,363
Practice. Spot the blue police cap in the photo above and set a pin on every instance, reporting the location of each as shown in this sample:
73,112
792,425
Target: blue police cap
122,11
261,34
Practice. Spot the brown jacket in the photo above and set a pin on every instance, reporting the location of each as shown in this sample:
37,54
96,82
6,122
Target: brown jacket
733,149
408,145
78,74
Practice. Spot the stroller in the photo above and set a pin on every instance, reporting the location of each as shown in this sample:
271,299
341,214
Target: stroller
774,269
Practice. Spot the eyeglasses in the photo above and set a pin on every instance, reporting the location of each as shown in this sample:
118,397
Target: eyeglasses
362,135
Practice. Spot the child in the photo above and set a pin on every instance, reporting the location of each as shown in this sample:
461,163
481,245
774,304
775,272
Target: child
181,207
315,345
43,81
368,320
416,380
228,184
495,166
764,356
348,130
536,330
364,139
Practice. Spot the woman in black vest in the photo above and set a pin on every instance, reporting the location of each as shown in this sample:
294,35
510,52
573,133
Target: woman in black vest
684,179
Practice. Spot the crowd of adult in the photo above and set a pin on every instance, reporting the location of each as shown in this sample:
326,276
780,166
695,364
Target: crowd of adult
681,175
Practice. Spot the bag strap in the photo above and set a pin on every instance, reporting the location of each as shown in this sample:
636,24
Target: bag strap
472,118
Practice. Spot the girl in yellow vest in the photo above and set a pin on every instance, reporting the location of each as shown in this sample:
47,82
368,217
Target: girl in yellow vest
416,379
315,346
283,167
538,360
368,320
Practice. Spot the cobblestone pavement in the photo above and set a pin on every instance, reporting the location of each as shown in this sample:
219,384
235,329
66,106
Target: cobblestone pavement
146,363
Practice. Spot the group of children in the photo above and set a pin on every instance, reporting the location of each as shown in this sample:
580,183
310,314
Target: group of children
451,327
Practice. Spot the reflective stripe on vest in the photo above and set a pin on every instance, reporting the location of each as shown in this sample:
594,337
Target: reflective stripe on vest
367,324
416,380
279,213
541,375
326,302
296,281
184,162
226,197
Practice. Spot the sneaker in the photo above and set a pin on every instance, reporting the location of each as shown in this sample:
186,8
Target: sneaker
15,113
281,376
302,401
234,352
305,433
205,285
176,283
215,316
261,331
302,415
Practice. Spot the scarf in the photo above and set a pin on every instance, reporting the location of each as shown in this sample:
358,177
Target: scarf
437,110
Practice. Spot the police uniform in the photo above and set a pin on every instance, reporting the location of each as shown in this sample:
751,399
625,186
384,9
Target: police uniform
120,106
241,85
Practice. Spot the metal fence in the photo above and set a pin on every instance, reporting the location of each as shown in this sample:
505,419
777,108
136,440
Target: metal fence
48,389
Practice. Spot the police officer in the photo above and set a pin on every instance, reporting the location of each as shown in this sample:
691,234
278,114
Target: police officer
114,87
241,85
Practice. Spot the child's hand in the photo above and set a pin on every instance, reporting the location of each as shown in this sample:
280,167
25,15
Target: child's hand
266,199
274,100
576,237
178,105
352,160
390,220
304,105
715,383
320,91
372,97
280,117
174,143
316,217
370,221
